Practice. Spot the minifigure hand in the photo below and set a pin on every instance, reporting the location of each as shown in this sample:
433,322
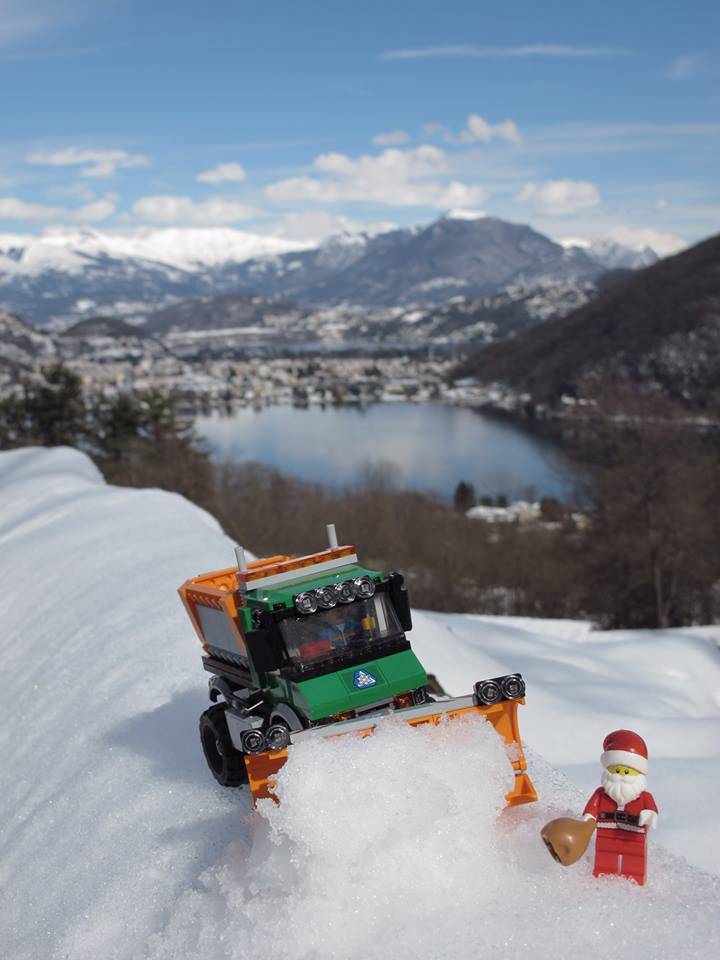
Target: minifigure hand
648,817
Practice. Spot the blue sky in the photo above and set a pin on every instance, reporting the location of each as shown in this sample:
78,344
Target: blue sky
300,119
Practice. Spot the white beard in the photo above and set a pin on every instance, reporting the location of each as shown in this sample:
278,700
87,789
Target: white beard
622,789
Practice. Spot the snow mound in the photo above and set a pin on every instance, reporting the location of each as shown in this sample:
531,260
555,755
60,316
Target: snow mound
117,843
399,844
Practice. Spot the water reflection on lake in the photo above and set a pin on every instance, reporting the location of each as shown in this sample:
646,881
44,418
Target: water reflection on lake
432,446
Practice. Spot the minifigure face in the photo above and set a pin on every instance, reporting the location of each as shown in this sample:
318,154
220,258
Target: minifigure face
623,770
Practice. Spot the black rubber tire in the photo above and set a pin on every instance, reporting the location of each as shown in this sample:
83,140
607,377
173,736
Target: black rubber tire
226,763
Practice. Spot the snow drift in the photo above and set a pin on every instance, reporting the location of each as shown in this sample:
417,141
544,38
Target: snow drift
117,843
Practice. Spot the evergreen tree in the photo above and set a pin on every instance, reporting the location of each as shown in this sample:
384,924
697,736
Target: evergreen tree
48,411
464,496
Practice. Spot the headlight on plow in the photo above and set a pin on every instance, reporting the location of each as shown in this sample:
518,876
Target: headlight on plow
509,687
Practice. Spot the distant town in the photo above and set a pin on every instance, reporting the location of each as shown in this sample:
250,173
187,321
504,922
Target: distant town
202,382
333,356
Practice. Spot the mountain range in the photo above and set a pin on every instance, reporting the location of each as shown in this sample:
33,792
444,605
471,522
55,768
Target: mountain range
453,256
70,276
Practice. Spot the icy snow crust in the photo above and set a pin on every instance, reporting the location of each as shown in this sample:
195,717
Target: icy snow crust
116,843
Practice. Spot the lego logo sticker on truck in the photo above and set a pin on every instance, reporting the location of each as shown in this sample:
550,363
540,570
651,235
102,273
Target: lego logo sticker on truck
363,679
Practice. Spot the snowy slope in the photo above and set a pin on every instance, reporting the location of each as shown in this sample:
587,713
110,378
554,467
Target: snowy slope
116,843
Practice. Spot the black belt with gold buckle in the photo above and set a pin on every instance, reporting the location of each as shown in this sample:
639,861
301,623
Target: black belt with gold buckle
620,816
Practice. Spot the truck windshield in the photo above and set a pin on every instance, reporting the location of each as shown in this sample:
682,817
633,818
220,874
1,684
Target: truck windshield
344,631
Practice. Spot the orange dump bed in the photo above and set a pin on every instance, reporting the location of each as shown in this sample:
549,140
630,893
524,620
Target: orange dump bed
219,591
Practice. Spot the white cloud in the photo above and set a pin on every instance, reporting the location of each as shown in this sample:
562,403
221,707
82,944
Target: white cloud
459,195
12,208
314,225
478,130
689,65
415,177
394,138
558,197
640,237
184,210
464,50
222,173
414,164
96,210
96,163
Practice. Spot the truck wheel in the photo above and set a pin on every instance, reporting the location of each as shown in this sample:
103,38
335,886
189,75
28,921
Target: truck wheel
226,763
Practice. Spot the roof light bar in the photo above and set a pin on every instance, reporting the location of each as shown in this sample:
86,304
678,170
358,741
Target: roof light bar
325,598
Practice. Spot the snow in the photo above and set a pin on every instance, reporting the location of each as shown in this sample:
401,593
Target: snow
582,683
569,242
520,511
460,214
37,256
117,842
613,254
182,248
388,864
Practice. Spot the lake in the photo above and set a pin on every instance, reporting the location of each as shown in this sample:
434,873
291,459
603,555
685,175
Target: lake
431,446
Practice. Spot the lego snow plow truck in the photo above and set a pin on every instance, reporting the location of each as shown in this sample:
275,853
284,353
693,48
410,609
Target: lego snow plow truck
316,646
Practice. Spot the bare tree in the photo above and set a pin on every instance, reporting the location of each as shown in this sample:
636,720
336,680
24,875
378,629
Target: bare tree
653,544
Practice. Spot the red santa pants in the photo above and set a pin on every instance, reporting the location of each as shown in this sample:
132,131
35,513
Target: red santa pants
621,853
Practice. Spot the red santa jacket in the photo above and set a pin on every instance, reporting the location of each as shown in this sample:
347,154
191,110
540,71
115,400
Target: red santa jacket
610,816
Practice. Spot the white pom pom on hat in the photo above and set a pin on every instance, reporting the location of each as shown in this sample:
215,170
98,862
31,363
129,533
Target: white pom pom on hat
626,748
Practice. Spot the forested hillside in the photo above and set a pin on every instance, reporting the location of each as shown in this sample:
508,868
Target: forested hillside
658,328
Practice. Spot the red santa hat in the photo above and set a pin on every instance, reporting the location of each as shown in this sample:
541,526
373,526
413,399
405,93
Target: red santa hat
626,748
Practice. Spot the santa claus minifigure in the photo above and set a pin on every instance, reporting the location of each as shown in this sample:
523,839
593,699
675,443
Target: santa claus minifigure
621,809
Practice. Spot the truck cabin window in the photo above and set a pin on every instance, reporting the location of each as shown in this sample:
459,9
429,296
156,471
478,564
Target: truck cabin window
346,630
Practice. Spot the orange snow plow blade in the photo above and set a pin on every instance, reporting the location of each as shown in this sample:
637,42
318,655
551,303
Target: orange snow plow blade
262,768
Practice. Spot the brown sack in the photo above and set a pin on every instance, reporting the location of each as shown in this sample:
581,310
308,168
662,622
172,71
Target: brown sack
567,839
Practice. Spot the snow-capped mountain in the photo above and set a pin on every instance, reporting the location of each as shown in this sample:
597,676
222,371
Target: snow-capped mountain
71,275
185,249
453,256
613,255
75,275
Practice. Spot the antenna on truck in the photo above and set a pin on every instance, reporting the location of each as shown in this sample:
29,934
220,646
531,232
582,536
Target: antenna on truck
241,561
332,536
